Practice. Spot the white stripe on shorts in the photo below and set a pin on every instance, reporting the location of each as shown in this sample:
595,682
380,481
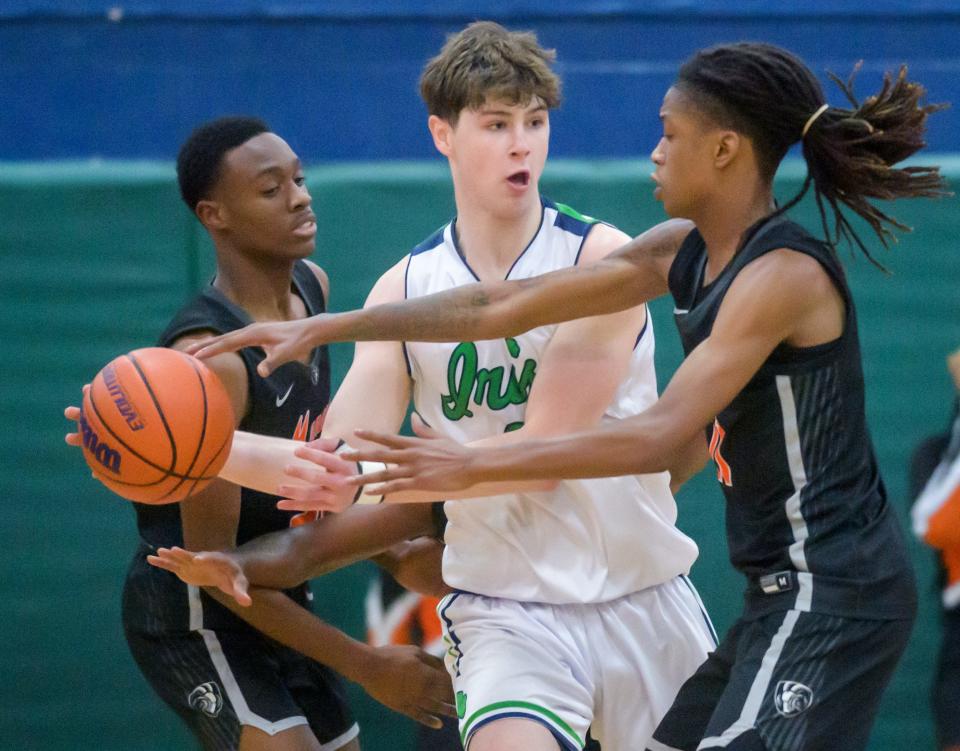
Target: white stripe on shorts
341,740
232,688
751,707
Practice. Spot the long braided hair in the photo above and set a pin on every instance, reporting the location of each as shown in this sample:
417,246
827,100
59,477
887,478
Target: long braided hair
772,97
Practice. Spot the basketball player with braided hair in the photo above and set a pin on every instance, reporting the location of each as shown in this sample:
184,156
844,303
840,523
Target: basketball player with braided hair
772,374
559,623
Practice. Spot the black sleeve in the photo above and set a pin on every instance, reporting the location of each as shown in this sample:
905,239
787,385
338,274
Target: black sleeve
439,520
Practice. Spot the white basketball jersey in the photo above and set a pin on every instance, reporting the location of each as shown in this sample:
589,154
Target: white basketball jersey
588,540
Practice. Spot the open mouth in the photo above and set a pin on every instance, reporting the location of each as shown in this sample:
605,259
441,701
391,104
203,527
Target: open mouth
306,228
521,179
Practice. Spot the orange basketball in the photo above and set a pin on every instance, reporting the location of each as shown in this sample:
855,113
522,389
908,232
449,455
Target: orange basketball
157,425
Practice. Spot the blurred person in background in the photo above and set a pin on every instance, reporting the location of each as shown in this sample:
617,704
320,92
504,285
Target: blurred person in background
935,488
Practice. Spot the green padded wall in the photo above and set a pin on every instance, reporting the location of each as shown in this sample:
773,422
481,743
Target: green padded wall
97,256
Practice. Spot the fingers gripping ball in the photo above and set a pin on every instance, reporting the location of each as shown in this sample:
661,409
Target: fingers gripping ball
157,425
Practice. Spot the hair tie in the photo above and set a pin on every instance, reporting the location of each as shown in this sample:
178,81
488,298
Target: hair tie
812,119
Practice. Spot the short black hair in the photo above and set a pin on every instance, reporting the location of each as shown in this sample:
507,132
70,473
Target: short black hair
200,157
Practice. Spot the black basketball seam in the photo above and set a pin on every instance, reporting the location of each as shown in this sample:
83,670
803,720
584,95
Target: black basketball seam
203,428
212,460
163,419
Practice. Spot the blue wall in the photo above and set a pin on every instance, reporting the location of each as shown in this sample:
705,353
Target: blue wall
85,79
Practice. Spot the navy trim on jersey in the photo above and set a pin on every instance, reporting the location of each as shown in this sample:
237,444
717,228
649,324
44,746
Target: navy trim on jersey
583,241
430,243
570,223
643,329
441,613
463,258
535,236
406,296
576,261
703,611
565,743
459,253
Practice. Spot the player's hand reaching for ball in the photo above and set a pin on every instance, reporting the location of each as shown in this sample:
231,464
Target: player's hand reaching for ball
329,487
409,681
208,569
282,341
428,462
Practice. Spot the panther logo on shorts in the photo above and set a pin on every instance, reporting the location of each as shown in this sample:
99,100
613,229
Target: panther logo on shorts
792,698
206,698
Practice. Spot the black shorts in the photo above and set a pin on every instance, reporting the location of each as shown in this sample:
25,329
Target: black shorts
220,681
787,681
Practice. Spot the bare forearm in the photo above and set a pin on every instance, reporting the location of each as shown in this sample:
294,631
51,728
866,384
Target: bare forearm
286,558
492,310
280,618
258,461
473,312
624,447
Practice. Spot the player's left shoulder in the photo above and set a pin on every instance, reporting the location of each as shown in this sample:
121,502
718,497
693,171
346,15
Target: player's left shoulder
322,277
787,280
793,268
602,240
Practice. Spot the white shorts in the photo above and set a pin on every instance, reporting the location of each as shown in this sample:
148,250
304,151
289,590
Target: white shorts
613,667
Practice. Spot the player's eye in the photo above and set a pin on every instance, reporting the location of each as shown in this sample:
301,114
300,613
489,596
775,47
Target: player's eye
300,180
270,191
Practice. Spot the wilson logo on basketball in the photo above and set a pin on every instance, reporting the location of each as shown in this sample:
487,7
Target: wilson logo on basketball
104,454
119,398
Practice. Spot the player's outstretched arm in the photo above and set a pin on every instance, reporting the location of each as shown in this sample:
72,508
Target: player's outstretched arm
778,295
489,310
406,679
288,557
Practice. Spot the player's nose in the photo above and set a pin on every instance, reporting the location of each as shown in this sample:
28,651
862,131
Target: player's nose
300,197
519,145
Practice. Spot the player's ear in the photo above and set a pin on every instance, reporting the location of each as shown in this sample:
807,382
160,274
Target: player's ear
726,148
441,130
210,214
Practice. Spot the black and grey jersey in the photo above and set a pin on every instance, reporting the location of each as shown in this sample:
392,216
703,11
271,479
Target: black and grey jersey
807,516
290,403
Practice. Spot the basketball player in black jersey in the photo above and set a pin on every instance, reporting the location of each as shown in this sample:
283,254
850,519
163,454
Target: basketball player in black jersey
772,375
212,661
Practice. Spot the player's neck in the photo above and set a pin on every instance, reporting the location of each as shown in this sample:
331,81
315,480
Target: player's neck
263,289
491,244
723,223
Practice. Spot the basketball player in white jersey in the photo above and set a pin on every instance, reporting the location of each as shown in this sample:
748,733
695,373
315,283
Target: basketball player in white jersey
571,608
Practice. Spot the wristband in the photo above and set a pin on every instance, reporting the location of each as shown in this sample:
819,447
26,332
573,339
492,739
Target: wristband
363,468
363,497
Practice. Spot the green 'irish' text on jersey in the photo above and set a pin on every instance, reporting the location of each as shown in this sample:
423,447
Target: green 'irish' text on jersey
588,540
